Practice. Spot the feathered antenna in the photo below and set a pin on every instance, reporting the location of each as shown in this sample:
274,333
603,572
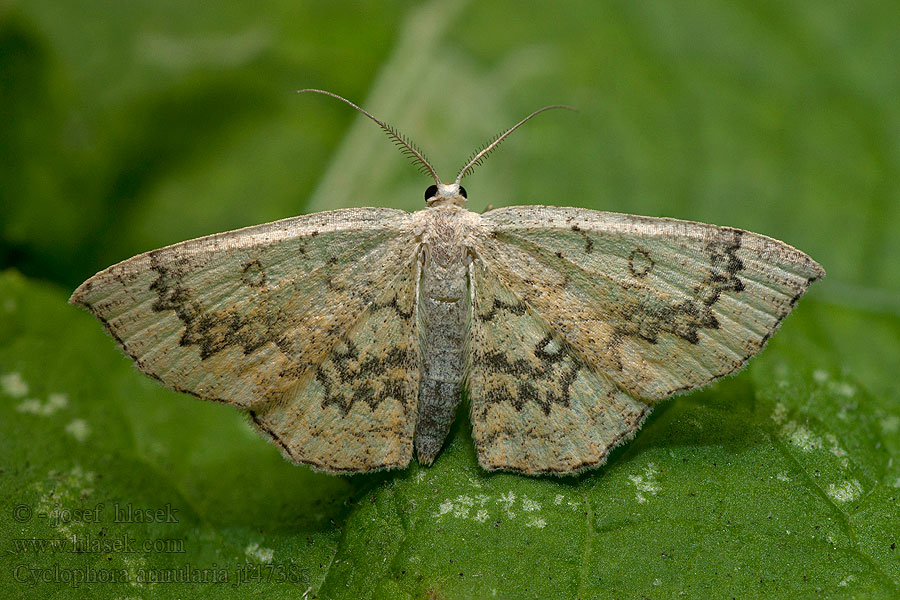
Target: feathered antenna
400,140
479,156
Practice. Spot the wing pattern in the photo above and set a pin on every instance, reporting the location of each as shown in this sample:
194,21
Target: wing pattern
536,406
659,305
252,317
583,319
355,411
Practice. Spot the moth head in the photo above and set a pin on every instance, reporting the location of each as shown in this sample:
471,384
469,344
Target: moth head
440,194
446,194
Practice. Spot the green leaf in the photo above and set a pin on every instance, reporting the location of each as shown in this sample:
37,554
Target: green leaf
129,126
779,482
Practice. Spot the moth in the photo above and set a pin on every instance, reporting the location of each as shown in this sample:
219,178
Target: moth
347,335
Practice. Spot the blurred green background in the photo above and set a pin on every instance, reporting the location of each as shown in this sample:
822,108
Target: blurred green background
126,126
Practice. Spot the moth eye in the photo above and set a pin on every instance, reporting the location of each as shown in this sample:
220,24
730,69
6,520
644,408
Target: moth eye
431,191
462,192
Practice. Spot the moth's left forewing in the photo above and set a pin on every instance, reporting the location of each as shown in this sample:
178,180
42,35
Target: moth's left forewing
659,305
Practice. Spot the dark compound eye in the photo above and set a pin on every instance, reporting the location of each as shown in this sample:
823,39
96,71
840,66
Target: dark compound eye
462,192
431,191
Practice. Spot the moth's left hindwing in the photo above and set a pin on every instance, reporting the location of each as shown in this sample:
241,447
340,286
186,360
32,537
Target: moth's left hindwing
271,318
583,319
537,407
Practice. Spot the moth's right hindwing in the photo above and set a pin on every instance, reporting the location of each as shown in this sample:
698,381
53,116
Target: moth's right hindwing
249,316
355,410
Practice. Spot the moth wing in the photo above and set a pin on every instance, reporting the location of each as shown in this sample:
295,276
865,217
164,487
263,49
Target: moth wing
255,317
537,407
657,305
355,410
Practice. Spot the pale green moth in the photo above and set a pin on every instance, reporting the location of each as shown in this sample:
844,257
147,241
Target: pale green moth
347,335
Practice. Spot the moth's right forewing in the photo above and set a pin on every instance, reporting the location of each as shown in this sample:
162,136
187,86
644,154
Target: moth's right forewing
242,316
355,410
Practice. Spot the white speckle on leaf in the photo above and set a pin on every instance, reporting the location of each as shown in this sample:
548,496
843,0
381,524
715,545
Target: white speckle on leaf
420,477
258,553
79,429
645,483
890,424
31,405
800,436
58,400
848,390
896,483
507,499
779,415
13,385
34,406
558,499
66,489
845,492
136,566
844,413
841,388
847,581
529,505
782,476
479,506
536,522
460,511
838,451
462,506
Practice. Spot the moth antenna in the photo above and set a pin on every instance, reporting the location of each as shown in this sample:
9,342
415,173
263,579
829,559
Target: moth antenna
400,140
479,155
